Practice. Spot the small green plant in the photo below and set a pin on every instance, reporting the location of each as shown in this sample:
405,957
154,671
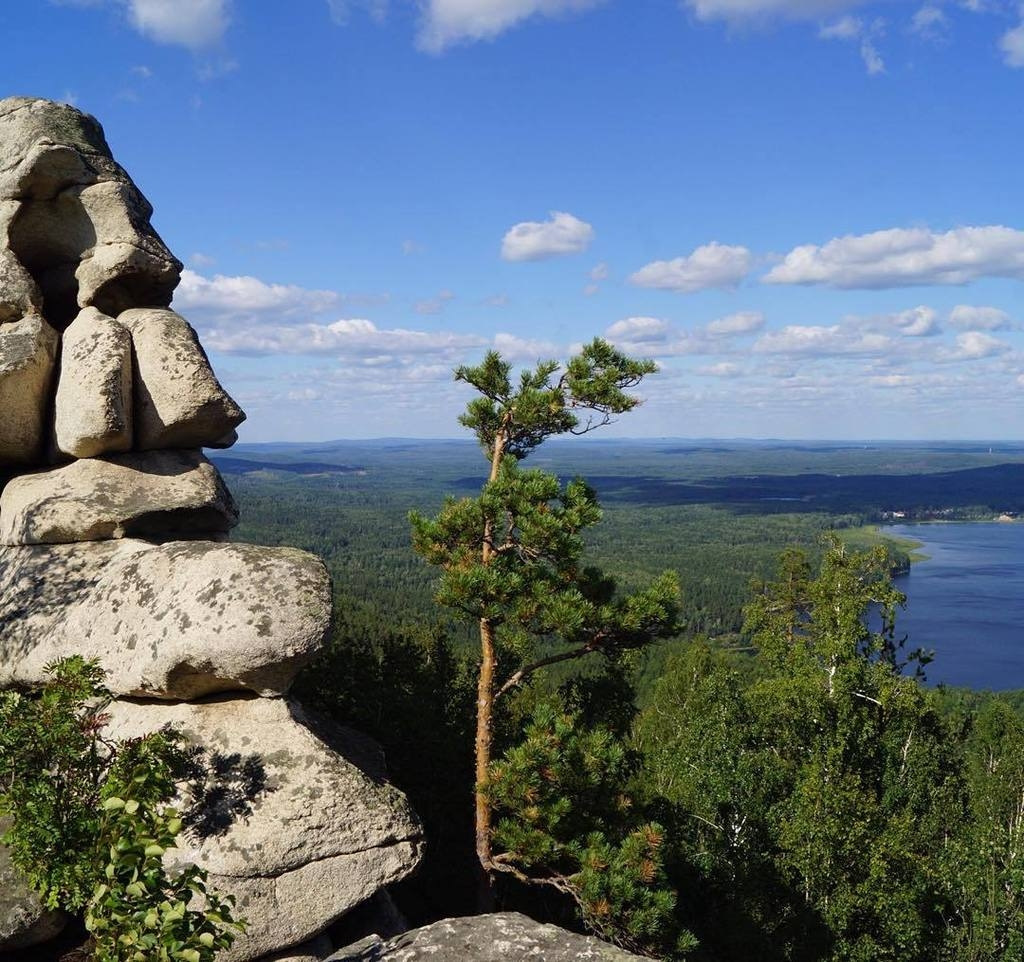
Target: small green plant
89,823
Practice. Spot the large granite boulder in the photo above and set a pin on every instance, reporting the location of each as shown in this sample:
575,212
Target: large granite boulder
179,401
76,221
24,921
501,937
93,409
179,620
287,819
158,495
28,350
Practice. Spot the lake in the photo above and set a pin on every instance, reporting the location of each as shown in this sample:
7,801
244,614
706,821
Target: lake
967,602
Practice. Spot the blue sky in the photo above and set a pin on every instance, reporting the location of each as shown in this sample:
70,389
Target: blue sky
810,212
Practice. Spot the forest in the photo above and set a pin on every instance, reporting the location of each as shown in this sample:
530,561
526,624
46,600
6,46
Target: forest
773,780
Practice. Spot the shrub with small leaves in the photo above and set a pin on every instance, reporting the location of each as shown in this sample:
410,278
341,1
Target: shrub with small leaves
140,912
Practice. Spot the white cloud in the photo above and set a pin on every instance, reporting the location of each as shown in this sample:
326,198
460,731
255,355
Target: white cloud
930,23
638,330
738,11
514,348
710,265
189,23
341,10
977,318
223,296
448,22
721,369
434,305
1012,46
918,321
903,257
599,272
532,240
743,322
410,247
202,260
348,336
973,346
856,30
821,341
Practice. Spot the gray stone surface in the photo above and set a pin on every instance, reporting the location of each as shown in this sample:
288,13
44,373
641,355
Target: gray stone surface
310,835
19,294
75,219
179,402
23,920
93,408
157,495
315,951
28,351
179,620
501,937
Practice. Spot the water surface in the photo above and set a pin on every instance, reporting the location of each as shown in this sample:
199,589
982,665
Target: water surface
967,602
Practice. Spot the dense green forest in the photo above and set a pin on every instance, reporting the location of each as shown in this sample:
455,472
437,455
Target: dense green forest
751,795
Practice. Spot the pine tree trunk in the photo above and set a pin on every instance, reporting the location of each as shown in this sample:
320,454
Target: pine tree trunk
484,712
484,717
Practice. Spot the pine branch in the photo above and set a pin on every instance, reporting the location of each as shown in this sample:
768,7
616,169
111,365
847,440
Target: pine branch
518,677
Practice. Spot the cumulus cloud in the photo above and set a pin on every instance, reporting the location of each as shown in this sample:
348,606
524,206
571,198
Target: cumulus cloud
638,330
973,346
344,337
855,30
721,369
188,23
930,23
904,257
820,341
239,296
710,265
738,11
977,318
537,240
1012,46
743,322
920,321
448,22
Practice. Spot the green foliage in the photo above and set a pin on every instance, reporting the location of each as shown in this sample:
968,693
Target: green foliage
89,828
52,767
567,817
140,913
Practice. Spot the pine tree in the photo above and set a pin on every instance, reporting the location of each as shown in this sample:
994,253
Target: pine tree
511,558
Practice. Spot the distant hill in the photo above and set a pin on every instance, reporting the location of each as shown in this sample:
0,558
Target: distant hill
247,465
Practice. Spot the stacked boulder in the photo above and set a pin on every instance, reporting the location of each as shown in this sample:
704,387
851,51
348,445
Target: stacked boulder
113,530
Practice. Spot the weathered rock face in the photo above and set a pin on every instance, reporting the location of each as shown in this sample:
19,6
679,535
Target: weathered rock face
179,401
23,920
315,951
302,834
501,937
157,495
94,396
179,620
28,350
105,398
78,225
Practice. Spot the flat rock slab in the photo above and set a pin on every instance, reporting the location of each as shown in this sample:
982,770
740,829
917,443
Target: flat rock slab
179,620
158,495
315,951
501,937
286,821
179,403
23,920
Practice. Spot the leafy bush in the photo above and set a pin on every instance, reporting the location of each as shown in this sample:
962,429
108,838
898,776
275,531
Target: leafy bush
90,827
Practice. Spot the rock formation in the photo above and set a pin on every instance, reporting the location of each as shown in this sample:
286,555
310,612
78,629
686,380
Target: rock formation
112,526
501,937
